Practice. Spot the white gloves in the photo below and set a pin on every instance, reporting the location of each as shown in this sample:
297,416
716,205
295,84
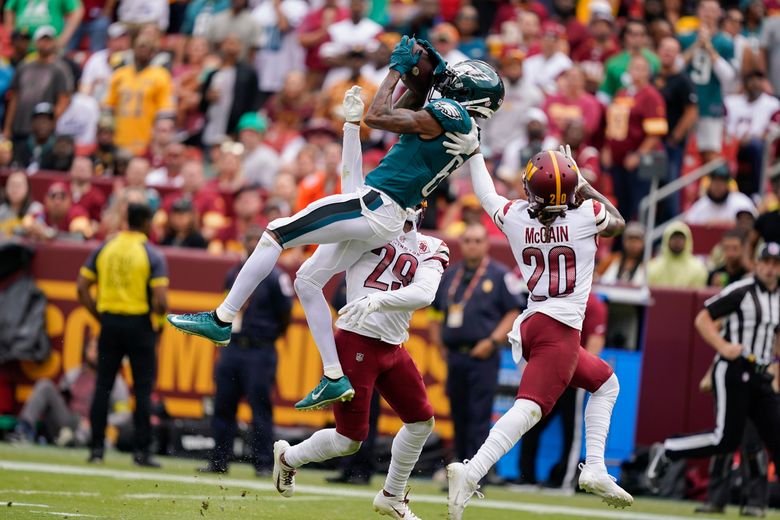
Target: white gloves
355,313
353,105
566,151
463,144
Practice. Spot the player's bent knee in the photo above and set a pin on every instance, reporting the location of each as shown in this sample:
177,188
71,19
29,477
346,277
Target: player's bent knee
270,238
421,428
345,445
610,387
305,287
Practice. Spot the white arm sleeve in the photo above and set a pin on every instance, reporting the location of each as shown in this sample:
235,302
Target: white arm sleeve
416,295
351,159
724,71
483,186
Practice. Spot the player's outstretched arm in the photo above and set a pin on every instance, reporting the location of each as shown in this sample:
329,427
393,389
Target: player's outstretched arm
615,223
351,153
484,188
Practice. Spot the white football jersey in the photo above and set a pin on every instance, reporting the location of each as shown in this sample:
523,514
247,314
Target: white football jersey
389,268
558,264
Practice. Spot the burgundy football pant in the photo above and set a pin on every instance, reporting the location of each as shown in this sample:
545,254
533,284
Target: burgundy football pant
555,361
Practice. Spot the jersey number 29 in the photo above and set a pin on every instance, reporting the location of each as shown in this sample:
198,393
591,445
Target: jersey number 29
404,267
561,262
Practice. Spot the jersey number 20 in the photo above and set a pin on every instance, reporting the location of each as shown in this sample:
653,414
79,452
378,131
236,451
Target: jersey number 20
404,268
561,261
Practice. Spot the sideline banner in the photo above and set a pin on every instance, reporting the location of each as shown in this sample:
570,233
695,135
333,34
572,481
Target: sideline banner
185,363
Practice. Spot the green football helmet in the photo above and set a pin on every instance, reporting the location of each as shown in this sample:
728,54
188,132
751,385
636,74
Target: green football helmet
474,84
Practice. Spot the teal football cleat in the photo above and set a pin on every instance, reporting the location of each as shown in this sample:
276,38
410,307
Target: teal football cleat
328,391
201,324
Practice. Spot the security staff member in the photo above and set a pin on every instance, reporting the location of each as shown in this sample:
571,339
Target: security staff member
570,408
132,281
742,386
473,311
247,366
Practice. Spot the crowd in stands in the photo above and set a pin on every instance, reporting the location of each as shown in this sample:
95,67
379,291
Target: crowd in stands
225,114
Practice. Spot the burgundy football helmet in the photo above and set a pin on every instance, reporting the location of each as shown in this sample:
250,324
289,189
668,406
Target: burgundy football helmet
550,180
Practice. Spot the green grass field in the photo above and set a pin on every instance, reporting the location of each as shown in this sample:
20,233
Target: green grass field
40,482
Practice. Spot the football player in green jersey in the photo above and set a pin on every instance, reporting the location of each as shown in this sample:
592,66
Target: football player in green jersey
349,224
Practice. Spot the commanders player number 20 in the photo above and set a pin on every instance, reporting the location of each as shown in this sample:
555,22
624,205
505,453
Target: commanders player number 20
561,262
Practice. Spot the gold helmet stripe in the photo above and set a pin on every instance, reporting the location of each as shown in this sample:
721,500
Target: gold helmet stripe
557,177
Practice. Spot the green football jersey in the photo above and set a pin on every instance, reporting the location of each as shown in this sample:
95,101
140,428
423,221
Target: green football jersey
702,74
413,167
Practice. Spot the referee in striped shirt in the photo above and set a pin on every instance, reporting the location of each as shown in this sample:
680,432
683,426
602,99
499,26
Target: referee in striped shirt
746,346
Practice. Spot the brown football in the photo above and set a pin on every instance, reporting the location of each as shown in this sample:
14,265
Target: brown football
420,78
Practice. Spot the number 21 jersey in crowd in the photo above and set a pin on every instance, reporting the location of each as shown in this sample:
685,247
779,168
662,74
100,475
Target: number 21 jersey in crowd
556,263
389,268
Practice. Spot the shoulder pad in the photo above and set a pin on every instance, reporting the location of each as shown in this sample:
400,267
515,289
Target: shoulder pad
437,250
450,115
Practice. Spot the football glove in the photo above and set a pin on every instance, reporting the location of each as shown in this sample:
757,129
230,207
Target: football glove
355,313
353,105
462,144
439,65
566,151
402,59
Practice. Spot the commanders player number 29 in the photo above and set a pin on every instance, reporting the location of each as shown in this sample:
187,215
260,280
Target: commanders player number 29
561,262
404,267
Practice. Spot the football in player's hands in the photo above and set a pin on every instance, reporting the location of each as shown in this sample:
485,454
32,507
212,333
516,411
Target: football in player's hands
420,78
353,105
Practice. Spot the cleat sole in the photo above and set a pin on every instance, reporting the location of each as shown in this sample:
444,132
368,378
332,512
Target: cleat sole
346,396
610,500
190,333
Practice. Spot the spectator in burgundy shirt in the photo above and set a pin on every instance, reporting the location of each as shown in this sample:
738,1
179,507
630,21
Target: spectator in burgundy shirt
636,123
572,102
247,212
208,203
598,47
565,13
313,32
82,192
60,217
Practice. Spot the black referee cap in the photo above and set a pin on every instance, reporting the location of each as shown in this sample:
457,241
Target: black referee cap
770,250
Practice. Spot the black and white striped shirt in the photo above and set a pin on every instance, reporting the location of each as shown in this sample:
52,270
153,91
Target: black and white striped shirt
751,317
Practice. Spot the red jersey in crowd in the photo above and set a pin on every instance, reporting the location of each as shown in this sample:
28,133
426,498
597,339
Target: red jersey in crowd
76,220
229,238
314,22
92,202
561,109
632,116
203,201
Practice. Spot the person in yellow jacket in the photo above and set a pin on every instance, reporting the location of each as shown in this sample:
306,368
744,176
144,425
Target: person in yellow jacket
676,266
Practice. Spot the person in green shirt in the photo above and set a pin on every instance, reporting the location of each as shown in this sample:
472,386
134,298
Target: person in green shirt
634,40
708,54
27,15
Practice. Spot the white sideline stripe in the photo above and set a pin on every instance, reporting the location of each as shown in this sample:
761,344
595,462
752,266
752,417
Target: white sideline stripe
64,514
11,503
52,493
219,498
541,509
